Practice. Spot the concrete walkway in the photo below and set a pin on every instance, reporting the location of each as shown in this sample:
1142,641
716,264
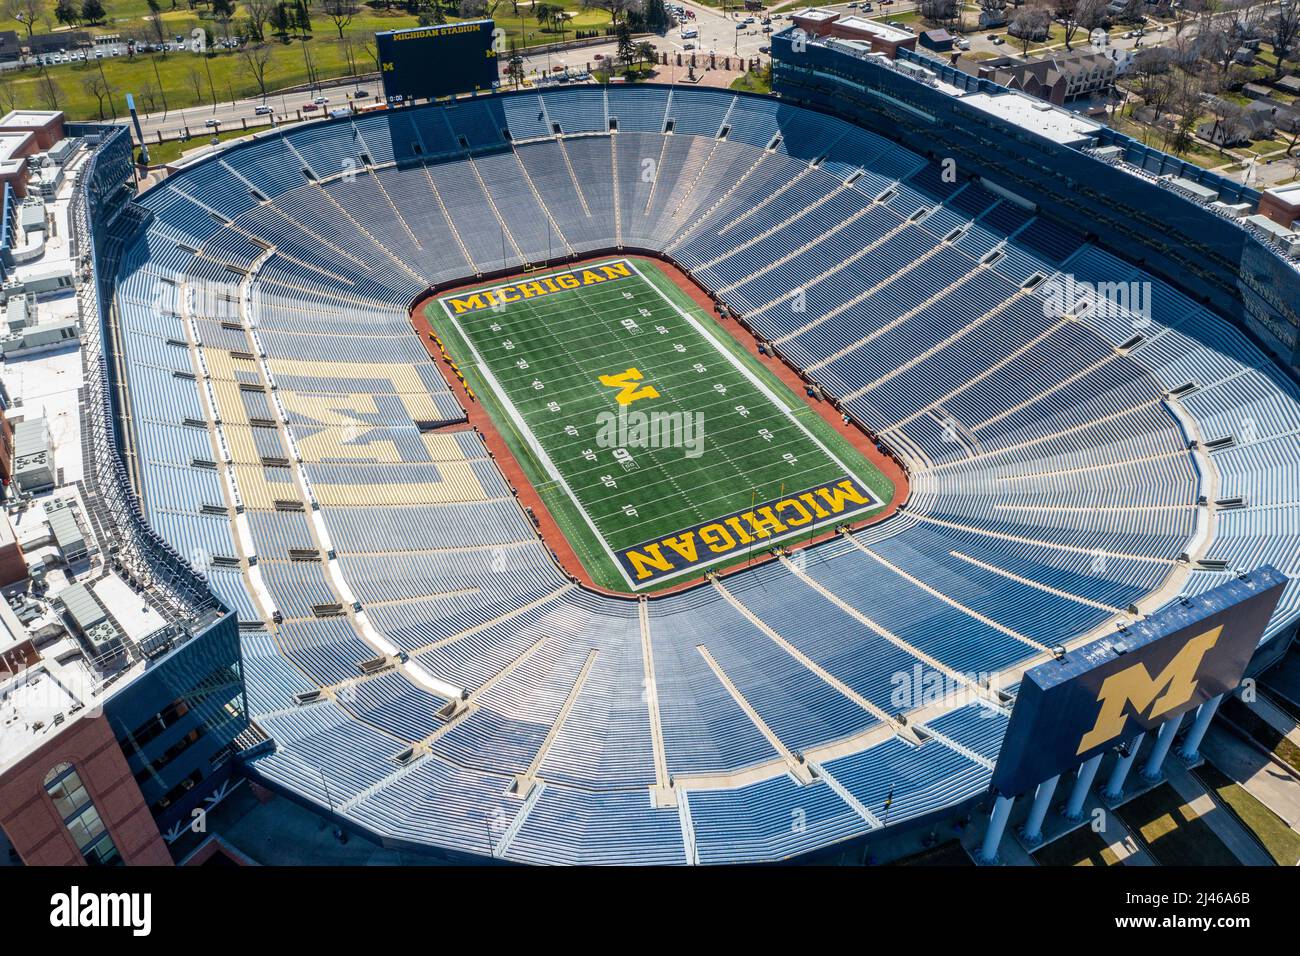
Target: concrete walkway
1275,717
1262,779
1235,837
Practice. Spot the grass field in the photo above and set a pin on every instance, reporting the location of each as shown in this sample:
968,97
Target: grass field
1279,840
659,446
178,80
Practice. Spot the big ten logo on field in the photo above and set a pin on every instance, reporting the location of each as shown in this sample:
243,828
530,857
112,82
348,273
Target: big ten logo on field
536,288
1151,697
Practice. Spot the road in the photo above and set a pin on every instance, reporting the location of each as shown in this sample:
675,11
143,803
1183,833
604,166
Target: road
717,33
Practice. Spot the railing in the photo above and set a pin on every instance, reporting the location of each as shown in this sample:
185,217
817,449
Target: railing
101,202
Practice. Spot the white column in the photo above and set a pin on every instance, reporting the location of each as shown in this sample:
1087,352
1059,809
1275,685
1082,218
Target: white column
1164,740
1115,786
1032,831
997,823
1189,752
1087,773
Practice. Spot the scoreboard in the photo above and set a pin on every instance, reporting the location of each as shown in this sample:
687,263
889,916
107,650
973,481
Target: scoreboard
438,61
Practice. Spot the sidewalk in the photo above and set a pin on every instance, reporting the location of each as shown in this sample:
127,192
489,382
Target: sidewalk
1235,837
1259,776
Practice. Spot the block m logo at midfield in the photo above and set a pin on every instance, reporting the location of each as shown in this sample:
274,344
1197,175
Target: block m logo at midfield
1149,696
628,390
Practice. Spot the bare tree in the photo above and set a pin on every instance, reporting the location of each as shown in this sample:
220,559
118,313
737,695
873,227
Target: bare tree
340,13
1030,25
27,12
196,80
258,13
50,89
97,85
149,95
1283,31
944,12
1150,77
1076,15
257,57
372,51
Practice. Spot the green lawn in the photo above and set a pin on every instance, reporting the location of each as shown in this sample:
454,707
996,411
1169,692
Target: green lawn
725,438
1281,842
181,79
1172,832
759,81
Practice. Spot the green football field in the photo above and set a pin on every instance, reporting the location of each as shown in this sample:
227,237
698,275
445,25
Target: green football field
661,448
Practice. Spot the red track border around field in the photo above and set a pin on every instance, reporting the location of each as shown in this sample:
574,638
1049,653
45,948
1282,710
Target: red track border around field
515,476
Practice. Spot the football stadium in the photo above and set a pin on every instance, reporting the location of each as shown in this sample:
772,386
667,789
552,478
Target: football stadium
652,473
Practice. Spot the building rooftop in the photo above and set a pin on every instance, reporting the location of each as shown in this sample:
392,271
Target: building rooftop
1037,116
23,119
815,14
874,28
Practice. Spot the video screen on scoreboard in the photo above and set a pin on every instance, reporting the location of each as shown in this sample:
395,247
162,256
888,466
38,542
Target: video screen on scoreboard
428,62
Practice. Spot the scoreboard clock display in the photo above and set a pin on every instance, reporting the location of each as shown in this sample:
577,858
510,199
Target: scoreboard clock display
438,61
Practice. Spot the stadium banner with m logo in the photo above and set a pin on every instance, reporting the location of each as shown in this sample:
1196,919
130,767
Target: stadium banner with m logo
1109,691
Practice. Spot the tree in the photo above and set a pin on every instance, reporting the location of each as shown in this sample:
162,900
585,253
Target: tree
943,12
340,13
645,53
1030,25
1078,15
50,89
155,20
97,85
196,81
68,12
656,17
281,20
626,50
993,12
515,65
28,13
1283,31
149,95
258,14
92,11
1150,77
257,57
